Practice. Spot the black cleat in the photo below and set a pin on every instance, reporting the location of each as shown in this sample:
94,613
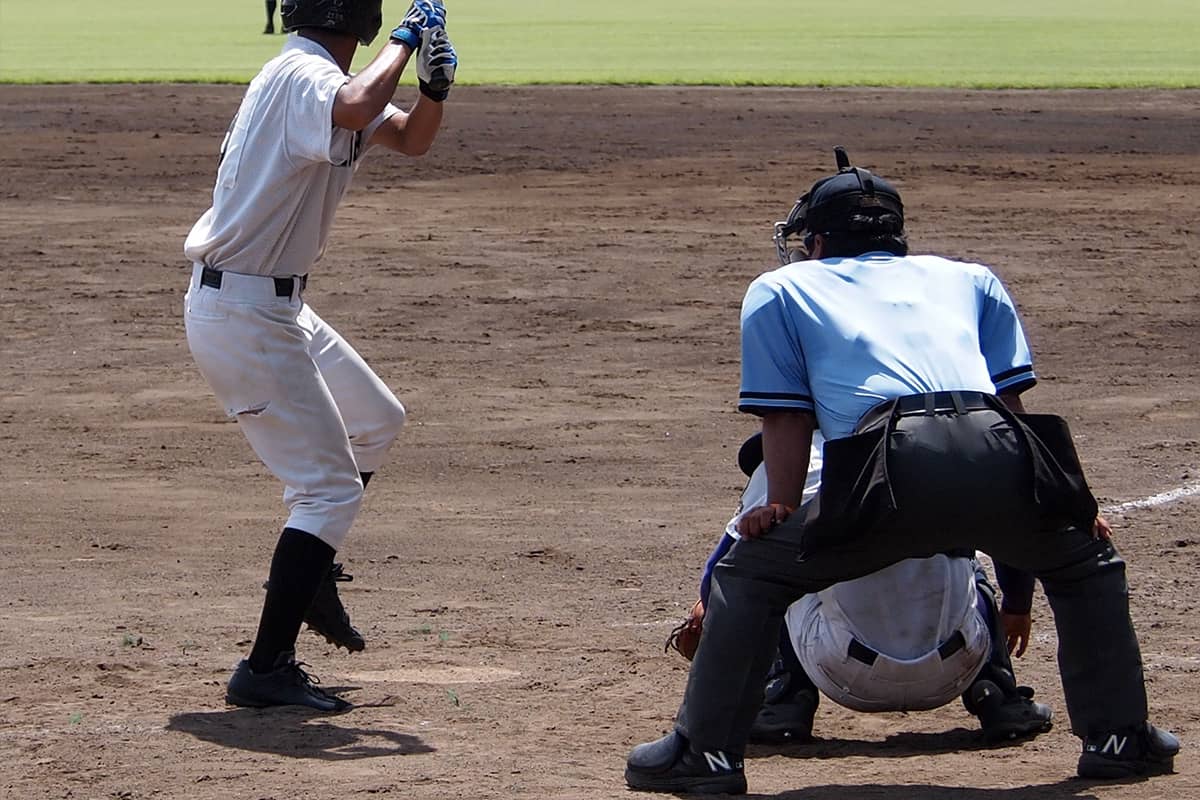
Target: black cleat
672,765
285,685
785,719
328,618
1128,753
270,28
1005,719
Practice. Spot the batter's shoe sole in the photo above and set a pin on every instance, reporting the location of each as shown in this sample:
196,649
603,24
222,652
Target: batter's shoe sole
1128,753
672,765
327,616
287,684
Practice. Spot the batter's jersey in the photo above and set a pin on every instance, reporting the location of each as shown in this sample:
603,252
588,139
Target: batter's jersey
284,168
839,335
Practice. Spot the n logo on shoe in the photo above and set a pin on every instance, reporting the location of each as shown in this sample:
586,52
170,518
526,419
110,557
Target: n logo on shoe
719,762
1113,745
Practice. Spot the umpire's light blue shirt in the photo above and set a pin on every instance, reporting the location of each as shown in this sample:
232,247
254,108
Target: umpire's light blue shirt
839,335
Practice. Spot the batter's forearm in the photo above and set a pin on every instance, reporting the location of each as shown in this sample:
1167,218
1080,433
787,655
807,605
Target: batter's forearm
421,127
365,95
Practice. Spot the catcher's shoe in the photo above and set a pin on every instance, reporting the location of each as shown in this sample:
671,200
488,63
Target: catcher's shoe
1128,753
1008,718
786,716
287,684
327,617
671,764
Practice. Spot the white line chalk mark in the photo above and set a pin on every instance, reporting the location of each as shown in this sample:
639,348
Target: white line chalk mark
1153,500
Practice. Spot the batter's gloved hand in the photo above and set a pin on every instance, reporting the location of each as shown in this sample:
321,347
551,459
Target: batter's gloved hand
422,16
436,64
685,637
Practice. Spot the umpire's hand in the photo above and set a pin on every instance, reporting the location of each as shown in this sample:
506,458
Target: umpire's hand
1017,628
755,523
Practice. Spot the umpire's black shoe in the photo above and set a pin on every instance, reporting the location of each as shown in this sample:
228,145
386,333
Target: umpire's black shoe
1007,718
785,719
327,617
285,685
671,764
1128,753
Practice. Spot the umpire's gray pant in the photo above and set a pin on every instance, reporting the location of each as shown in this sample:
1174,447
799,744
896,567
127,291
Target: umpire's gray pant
960,482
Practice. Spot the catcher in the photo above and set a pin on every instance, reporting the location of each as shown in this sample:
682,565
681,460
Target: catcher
861,648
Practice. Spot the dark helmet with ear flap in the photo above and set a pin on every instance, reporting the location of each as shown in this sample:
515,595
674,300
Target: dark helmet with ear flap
359,18
852,201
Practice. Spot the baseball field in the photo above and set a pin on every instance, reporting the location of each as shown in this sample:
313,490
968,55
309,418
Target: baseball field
553,292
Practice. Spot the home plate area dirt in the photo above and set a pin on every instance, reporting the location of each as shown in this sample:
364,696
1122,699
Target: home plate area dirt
553,292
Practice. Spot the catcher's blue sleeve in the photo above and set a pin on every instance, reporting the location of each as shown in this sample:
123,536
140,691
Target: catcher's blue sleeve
1016,588
717,554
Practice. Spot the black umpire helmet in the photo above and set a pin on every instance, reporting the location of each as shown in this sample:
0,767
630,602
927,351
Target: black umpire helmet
360,18
853,205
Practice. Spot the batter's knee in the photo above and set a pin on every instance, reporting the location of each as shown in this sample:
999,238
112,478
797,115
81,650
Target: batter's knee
395,418
327,512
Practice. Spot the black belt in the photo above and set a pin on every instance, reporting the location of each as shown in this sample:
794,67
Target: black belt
283,286
860,652
944,402
928,404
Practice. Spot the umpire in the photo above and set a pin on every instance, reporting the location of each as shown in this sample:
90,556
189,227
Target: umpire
912,367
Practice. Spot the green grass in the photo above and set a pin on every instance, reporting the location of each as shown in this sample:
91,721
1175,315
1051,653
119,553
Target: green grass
963,43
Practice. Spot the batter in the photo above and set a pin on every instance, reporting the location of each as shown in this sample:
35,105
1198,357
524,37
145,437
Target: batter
319,418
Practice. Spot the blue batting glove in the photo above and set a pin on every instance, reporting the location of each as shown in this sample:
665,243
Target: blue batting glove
422,16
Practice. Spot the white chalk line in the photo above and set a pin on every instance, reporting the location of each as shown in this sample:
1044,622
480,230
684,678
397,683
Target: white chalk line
1153,500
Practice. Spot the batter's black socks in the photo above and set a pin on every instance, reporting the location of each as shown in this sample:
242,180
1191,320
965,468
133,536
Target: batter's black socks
300,563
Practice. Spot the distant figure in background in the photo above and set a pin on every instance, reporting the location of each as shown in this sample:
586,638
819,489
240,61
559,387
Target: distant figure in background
271,17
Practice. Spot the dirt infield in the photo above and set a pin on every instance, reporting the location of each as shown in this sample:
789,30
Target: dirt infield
553,293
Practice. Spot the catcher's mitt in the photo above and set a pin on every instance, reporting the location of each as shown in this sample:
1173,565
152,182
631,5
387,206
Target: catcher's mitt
685,637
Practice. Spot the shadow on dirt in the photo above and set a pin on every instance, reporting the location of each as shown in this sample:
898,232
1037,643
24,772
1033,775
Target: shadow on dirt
1072,789
898,745
296,733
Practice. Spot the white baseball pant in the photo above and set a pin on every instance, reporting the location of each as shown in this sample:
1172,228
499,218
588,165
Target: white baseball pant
311,408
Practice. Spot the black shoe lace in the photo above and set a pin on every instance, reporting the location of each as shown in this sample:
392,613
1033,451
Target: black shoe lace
336,573
308,679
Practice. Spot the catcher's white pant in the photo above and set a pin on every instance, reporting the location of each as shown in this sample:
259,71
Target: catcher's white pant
311,408
906,620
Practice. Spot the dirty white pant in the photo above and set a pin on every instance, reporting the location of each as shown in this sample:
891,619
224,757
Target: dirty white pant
311,408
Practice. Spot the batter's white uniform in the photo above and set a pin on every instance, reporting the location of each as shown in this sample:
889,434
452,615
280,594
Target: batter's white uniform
906,620
311,408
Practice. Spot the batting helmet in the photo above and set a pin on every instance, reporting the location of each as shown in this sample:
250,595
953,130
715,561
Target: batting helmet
853,202
359,18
